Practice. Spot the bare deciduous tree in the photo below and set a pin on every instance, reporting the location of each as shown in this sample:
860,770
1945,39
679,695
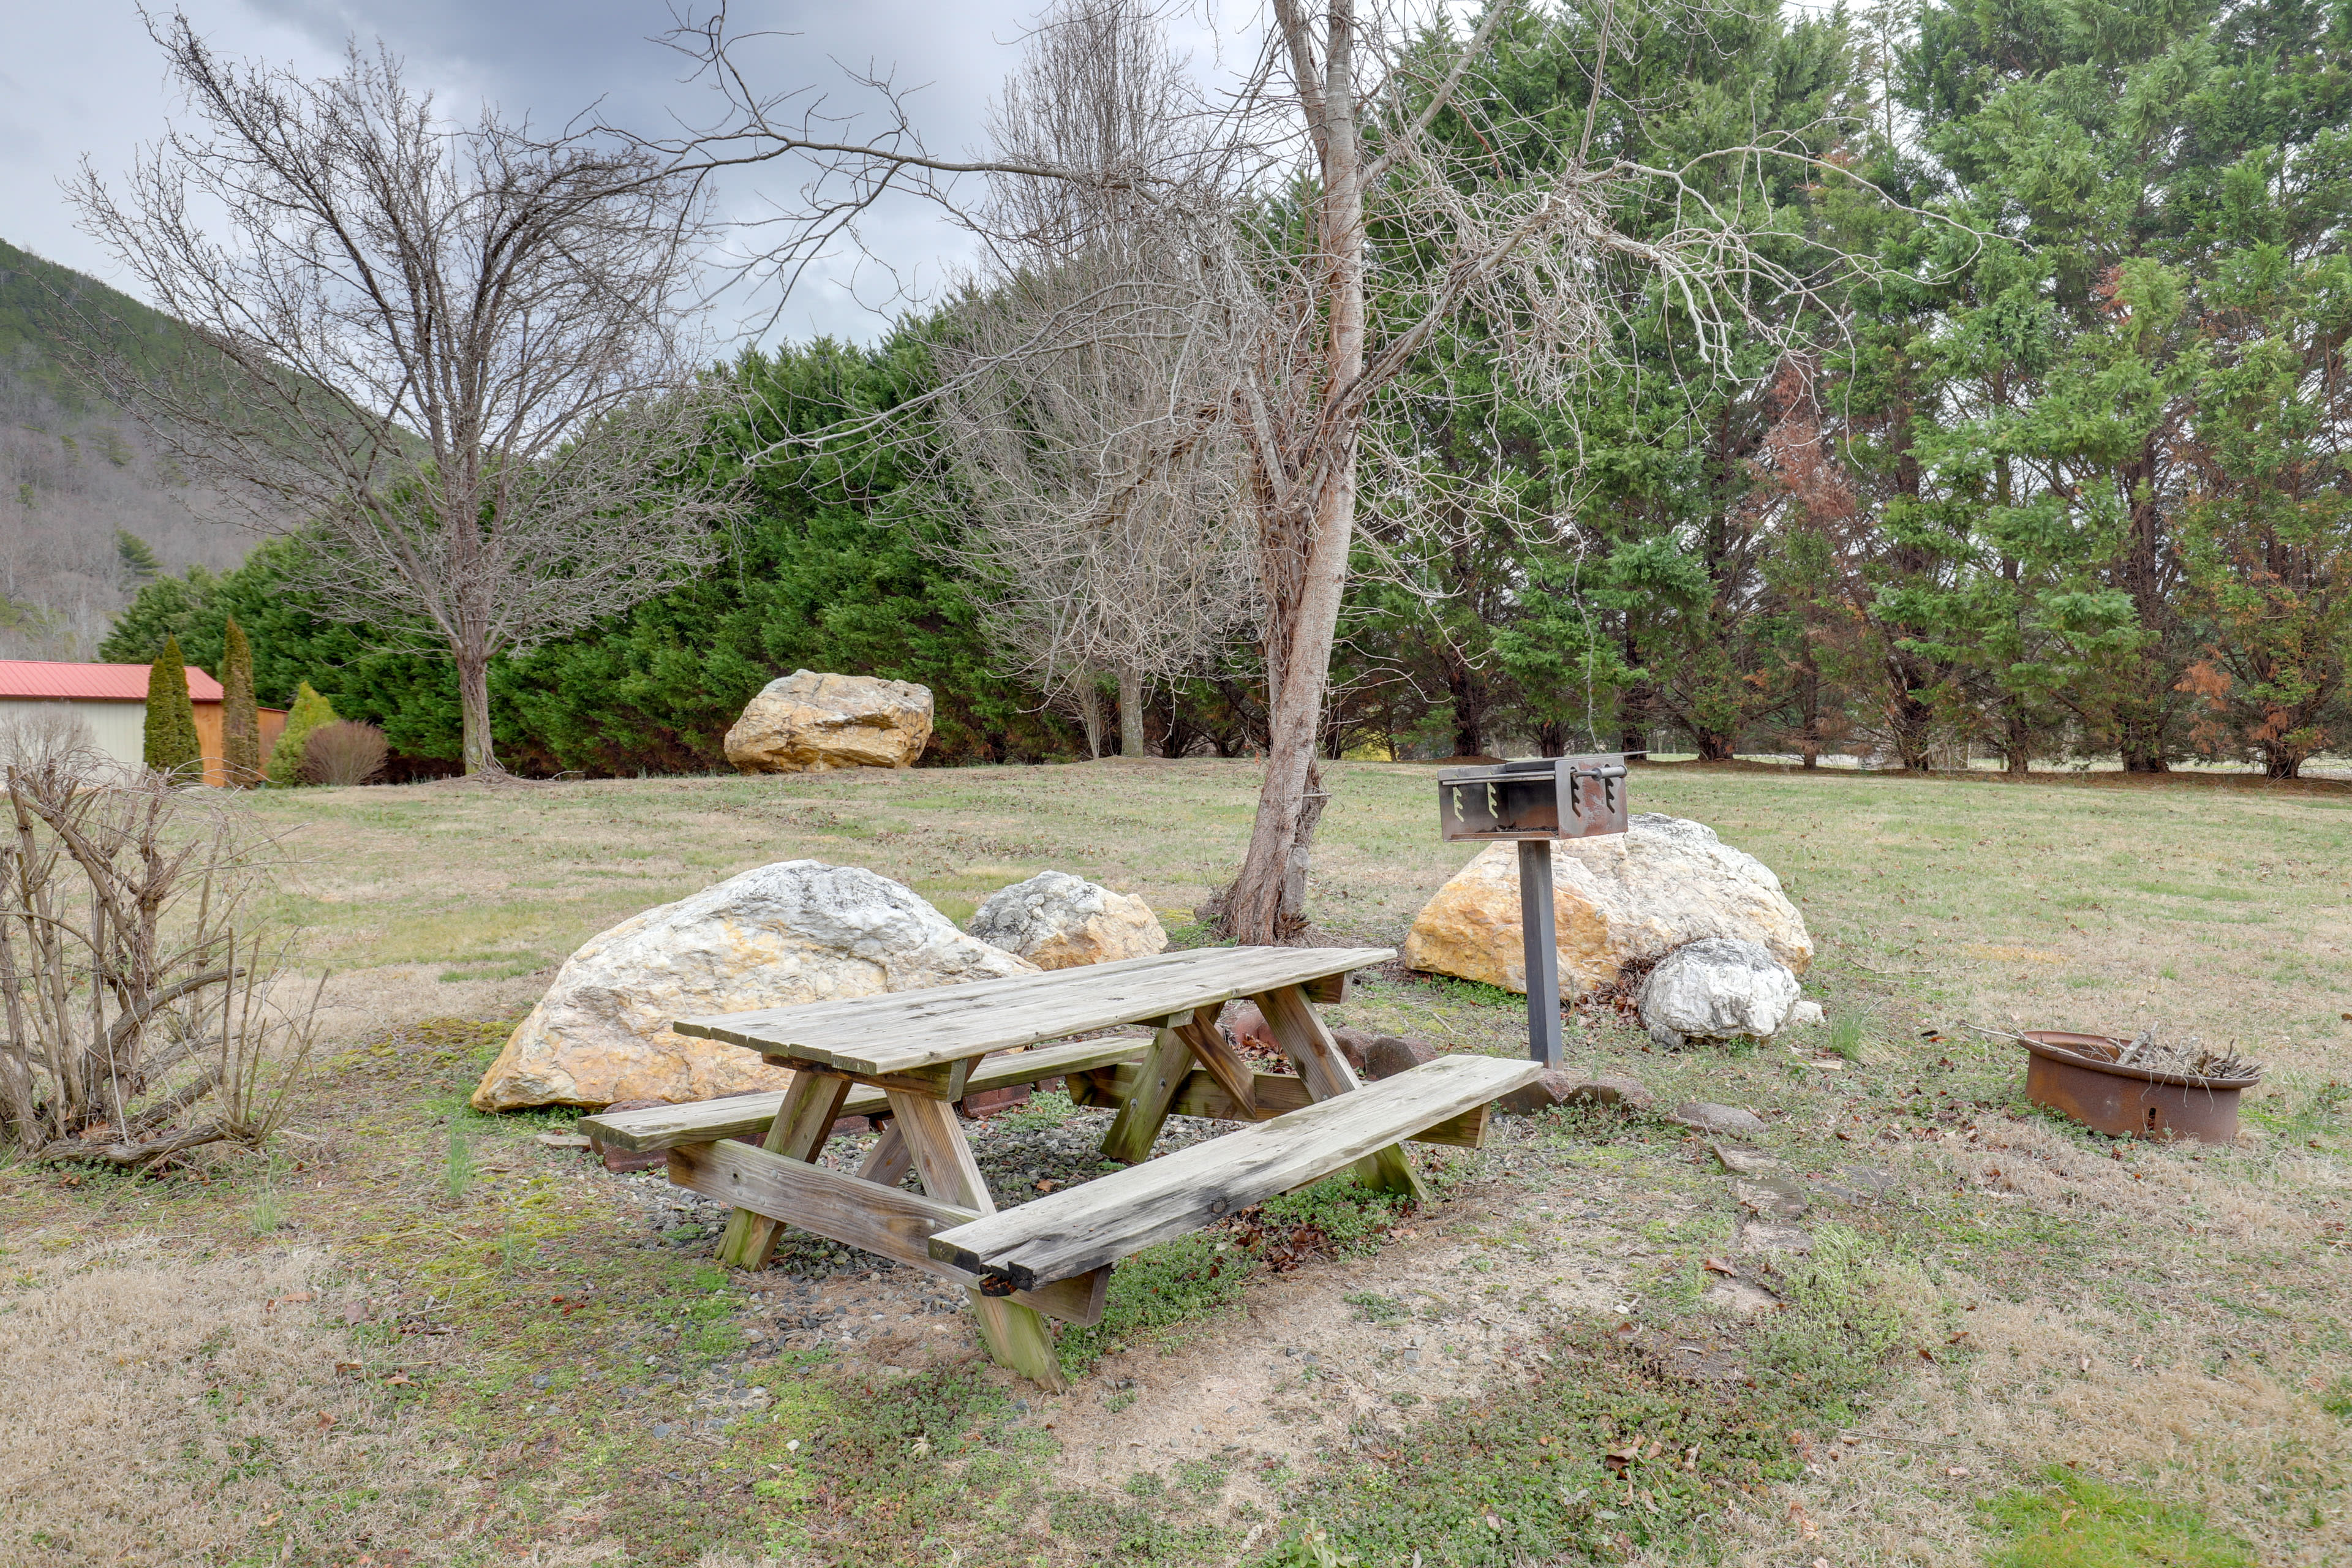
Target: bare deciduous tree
460,359
1084,396
1357,119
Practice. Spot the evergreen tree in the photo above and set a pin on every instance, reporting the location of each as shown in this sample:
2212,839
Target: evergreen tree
173,747
310,711
134,555
240,724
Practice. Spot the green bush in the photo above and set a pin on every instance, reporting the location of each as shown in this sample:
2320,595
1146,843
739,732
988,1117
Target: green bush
240,719
172,744
310,711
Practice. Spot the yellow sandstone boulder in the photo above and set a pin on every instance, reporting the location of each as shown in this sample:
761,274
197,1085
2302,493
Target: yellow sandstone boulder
1621,898
810,723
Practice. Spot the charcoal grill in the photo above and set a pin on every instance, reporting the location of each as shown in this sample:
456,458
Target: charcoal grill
1533,802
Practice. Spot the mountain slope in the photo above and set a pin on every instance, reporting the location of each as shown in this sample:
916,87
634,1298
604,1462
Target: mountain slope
88,508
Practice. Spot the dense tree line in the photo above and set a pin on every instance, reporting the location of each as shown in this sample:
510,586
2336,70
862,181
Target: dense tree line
827,573
2059,473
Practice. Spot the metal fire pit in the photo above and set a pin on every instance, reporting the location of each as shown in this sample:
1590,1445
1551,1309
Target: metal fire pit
2078,1076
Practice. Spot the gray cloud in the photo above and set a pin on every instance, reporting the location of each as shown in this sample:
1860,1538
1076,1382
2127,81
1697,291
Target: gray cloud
87,80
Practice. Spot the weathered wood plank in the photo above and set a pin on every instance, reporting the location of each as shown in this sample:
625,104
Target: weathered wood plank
887,1223
887,1162
1300,1032
811,1105
1136,1126
940,1080
1224,1063
708,1120
1015,1335
1083,1227
1304,1039
1330,990
907,1032
1200,1095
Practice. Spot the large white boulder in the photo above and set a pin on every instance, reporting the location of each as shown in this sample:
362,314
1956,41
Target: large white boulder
809,723
1716,989
1623,899
799,930
1056,920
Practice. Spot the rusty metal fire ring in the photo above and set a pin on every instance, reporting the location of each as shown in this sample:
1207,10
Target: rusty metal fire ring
2077,1076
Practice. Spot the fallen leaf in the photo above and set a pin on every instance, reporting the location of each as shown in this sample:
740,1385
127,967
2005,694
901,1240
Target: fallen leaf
400,1380
1494,1524
1717,1266
1956,1473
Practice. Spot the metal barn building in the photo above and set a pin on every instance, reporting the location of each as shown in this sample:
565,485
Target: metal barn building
110,700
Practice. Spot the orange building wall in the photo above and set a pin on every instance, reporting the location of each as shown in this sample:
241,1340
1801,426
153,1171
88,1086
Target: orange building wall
209,733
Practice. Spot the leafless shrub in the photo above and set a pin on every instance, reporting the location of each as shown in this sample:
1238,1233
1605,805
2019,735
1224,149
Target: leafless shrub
343,753
35,736
132,990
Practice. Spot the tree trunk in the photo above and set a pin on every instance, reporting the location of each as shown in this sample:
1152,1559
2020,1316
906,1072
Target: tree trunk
2017,750
1267,901
474,705
1469,697
1130,714
1090,713
1714,745
2142,745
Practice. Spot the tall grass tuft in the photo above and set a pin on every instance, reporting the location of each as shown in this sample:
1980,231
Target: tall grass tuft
457,1173
1848,1033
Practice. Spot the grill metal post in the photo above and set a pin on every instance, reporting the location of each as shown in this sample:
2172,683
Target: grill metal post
1542,949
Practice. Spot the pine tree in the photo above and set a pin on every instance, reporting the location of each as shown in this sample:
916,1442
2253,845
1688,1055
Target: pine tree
310,711
240,722
172,744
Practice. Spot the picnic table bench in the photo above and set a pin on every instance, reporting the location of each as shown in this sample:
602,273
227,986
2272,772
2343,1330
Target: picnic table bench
912,1055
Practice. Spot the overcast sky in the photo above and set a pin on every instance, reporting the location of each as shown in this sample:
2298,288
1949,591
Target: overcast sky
82,78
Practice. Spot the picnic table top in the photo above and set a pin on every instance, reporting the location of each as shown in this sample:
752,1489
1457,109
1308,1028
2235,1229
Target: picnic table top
908,1031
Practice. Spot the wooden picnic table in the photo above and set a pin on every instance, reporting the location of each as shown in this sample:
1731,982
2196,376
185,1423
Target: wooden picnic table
912,1055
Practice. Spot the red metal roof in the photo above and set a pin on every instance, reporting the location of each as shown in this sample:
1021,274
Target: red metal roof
34,678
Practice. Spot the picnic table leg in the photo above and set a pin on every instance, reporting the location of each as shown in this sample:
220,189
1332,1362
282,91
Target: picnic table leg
1136,1126
890,1159
1311,1049
811,1104
1016,1336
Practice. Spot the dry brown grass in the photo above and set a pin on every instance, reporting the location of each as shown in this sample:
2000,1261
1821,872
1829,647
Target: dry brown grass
167,1409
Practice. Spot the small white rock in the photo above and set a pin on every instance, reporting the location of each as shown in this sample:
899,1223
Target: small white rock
1718,988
